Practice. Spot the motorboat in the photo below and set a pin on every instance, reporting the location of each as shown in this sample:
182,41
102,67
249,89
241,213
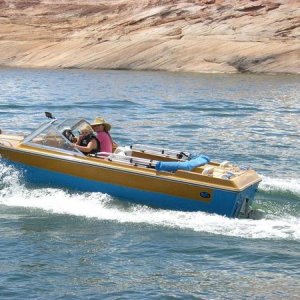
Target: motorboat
143,174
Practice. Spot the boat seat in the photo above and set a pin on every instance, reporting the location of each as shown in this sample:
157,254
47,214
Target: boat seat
123,151
208,171
225,164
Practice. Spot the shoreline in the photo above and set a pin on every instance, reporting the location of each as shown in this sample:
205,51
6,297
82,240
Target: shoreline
148,70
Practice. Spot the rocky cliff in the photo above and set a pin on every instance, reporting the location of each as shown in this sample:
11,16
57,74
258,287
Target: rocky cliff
184,35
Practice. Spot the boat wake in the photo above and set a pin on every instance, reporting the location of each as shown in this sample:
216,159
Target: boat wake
15,194
275,185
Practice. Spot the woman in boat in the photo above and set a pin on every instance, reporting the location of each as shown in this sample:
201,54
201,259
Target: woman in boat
87,143
102,129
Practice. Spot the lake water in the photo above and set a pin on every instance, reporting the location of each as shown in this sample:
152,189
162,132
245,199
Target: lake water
60,244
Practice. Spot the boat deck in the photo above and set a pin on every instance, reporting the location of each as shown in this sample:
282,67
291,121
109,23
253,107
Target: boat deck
10,140
213,173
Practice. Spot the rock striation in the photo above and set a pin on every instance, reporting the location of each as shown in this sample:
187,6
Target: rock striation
208,36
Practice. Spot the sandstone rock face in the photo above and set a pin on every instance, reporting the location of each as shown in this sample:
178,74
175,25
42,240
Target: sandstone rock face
186,35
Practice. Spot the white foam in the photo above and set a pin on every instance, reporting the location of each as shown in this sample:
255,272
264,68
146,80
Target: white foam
280,184
102,207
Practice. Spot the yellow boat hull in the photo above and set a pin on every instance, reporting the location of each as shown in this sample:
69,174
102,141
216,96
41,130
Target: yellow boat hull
182,190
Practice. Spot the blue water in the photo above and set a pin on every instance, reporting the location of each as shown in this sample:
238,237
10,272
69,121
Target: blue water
60,244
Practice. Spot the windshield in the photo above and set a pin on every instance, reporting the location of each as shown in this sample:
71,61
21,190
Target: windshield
57,136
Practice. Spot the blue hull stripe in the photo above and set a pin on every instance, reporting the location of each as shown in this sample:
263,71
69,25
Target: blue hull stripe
224,202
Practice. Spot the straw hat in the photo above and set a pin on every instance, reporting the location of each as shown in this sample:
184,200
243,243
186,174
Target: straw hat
101,121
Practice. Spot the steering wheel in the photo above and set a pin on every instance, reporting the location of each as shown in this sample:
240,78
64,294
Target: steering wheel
69,135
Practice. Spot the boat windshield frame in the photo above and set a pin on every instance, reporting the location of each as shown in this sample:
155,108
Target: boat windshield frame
56,127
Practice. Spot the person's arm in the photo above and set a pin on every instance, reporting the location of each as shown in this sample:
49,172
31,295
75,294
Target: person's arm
92,145
79,139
